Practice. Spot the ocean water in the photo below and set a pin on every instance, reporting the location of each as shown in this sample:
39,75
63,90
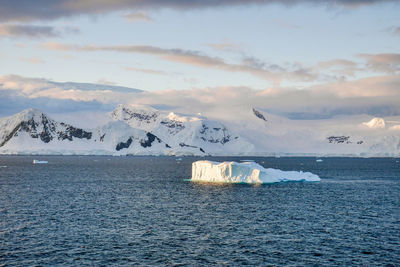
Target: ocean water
141,211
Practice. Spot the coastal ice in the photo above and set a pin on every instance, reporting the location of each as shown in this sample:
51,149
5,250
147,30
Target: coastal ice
246,172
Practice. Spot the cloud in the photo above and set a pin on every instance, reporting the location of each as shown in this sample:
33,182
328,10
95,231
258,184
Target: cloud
342,67
33,88
11,104
225,46
50,9
138,16
371,87
389,63
33,60
251,66
29,31
336,62
33,31
105,81
147,71
376,96
396,31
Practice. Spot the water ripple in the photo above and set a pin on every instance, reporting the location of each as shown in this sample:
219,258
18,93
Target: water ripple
78,211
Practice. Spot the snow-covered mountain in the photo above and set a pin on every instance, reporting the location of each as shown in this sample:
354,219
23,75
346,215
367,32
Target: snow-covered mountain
33,132
340,136
143,130
184,131
133,132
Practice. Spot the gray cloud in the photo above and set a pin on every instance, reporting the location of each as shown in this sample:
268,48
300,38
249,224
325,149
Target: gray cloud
29,31
34,31
249,65
51,9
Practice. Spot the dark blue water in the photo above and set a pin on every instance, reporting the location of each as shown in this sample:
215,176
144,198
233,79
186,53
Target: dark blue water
140,211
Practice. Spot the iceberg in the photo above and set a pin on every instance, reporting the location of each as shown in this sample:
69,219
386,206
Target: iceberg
35,161
245,172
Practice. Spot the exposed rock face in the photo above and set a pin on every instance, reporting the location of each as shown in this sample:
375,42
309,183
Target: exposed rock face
173,125
215,135
150,139
123,145
259,114
338,139
73,132
38,125
342,140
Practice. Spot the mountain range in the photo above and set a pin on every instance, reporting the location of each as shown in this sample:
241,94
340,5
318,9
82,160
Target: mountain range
144,130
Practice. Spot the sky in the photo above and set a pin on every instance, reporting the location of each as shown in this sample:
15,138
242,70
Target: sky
290,57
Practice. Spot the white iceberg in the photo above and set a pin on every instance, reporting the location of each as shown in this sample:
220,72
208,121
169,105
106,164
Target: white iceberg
246,172
36,161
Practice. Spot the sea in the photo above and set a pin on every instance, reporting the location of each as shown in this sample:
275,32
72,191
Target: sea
144,211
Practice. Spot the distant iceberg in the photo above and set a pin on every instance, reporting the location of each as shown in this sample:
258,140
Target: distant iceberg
246,172
35,161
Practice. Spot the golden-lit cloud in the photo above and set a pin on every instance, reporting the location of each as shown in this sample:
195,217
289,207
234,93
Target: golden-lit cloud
376,96
387,62
147,71
138,16
33,60
269,72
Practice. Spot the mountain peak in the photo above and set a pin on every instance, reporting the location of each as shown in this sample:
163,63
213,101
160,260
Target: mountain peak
28,114
136,107
375,123
140,113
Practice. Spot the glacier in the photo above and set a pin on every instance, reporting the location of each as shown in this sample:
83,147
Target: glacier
245,172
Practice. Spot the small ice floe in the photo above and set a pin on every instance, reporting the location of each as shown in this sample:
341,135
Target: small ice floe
36,161
4,166
246,172
319,160
247,160
178,159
